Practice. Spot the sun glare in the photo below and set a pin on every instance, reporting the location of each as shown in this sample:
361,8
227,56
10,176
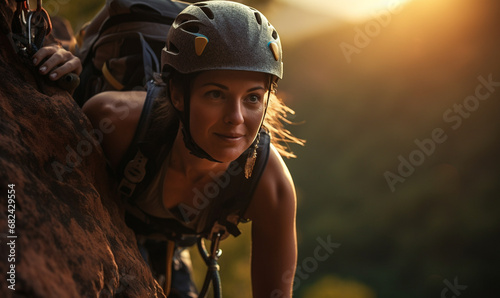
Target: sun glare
353,10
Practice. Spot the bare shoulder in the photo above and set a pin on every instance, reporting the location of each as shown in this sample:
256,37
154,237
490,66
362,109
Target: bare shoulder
275,191
115,114
115,105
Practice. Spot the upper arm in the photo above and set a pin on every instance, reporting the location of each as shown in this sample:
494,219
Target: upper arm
114,116
274,244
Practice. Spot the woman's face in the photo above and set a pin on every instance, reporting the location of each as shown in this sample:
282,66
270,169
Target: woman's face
227,107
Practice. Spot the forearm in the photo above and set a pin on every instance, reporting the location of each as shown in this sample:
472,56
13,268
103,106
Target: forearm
273,266
273,281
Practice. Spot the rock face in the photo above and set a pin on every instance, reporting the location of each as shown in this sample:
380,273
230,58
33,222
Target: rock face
62,234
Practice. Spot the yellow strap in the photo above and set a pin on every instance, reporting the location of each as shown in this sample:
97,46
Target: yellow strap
110,78
168,271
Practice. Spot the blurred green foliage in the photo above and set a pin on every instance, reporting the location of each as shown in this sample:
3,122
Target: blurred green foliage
76,12
362,113
333,287
404,81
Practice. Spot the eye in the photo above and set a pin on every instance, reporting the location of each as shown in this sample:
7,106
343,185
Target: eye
254,98
214,94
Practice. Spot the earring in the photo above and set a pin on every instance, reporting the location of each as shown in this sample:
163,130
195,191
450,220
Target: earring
252,156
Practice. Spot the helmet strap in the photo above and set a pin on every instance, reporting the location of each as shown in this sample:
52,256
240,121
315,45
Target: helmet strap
189,142
191,145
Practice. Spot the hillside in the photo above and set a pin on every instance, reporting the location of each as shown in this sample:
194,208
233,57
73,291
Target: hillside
401,163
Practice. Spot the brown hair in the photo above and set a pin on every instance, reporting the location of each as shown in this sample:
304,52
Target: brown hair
274,122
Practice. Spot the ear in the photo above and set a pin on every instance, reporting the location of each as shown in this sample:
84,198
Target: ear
176,96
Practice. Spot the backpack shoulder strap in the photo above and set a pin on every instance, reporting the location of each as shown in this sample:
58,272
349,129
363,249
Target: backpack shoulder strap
258,169
236,196
139,164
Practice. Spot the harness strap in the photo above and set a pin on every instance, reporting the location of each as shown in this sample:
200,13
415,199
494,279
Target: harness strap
145,224
134,171
134,211
168,273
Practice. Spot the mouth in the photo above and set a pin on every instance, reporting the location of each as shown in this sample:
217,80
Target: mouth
230,137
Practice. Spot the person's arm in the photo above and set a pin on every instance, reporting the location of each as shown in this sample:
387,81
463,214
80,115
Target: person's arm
274,243
114,116
58,62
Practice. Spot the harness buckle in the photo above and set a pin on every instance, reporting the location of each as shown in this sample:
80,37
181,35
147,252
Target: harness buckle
136,168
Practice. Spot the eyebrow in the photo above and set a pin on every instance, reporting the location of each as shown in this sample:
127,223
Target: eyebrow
223,87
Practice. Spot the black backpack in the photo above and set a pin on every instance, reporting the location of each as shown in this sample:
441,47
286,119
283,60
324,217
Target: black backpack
120,48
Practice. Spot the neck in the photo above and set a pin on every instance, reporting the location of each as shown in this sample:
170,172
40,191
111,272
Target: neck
192,167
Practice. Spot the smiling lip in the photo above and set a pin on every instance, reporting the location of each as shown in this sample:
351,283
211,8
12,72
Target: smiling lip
230,136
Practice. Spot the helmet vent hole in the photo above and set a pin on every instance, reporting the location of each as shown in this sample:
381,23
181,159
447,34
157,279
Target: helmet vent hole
191,28
275,34
258,18
172,48
181,20
208,12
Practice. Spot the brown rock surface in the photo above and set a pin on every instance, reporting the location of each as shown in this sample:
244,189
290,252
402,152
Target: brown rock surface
71,237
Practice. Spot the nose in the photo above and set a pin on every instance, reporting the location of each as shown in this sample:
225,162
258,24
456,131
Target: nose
234,112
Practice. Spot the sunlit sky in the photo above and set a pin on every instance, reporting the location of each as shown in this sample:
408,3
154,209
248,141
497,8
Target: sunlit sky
297,18
350,9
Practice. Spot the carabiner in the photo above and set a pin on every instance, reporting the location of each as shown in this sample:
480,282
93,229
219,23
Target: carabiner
22,5
19,21
212,275
216,252
30,26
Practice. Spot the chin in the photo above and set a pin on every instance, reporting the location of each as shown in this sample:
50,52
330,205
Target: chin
226,155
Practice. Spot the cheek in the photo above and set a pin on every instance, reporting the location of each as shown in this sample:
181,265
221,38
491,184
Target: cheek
254,118
201,118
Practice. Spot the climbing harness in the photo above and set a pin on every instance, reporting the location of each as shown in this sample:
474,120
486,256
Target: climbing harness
29,29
